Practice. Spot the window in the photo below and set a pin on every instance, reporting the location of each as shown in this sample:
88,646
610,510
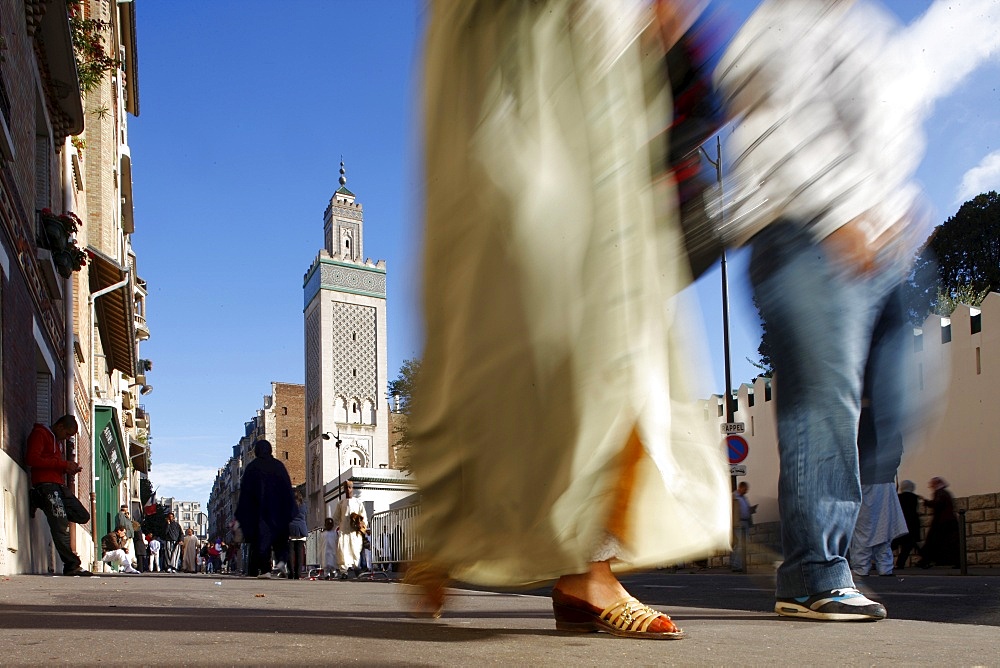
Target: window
979,361
43,397
286,454
285,433
284,411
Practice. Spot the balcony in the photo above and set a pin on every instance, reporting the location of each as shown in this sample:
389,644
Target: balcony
141,329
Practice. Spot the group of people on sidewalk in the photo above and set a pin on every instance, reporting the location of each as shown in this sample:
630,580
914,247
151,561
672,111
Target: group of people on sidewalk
272,520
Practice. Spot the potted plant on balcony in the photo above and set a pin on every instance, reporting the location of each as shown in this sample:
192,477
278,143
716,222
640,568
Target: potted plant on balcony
57,236
57,230
69,259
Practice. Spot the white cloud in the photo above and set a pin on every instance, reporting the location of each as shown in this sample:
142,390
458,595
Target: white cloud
982,178
187,482
939,49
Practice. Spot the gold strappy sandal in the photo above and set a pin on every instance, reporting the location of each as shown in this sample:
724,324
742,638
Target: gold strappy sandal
628,618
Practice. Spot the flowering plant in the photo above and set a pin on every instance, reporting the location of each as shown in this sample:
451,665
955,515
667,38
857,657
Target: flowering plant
69,220
57,236
92,61
70,260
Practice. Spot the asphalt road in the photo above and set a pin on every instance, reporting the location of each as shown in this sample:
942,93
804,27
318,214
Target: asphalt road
932,596
228,621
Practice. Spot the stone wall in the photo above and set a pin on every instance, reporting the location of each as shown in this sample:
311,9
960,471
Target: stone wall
982,521
982,535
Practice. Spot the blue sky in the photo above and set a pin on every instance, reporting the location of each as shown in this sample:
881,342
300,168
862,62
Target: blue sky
245,111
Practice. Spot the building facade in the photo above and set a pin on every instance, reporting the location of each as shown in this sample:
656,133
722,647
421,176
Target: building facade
69,291
346,412
188,514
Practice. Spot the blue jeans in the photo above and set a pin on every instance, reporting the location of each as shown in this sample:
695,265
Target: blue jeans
822,328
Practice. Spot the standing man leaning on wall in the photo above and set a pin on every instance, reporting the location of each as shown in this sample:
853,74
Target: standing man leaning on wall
49,468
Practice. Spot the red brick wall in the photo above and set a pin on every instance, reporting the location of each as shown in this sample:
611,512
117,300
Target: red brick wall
290,427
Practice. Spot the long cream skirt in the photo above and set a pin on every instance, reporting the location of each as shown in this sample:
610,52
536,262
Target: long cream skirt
552,263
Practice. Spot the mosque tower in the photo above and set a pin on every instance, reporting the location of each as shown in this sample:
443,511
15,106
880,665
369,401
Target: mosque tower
345,356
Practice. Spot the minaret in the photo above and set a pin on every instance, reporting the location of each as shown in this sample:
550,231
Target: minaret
346,356
343,232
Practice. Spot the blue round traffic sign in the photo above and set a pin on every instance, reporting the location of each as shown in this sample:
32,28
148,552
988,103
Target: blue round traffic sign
738,448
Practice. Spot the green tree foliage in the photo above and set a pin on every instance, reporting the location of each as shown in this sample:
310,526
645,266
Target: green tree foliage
402,387
764,349
960,263
402,390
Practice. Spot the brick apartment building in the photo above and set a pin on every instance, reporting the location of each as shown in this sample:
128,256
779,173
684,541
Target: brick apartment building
71,302
282,422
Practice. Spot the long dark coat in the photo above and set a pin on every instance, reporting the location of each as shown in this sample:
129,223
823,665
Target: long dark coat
267,502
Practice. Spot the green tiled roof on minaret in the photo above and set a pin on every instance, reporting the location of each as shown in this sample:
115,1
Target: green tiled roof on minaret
342,190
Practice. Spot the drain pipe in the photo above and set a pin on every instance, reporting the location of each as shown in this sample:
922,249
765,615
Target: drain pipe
91,302
70,363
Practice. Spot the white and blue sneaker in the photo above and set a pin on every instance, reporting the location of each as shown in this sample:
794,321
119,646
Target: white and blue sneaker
837,605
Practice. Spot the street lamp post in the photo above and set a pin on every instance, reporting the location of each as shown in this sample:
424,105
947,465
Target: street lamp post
729,402
326,437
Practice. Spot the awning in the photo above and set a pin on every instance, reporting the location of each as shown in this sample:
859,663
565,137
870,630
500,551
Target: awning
139,454
115,312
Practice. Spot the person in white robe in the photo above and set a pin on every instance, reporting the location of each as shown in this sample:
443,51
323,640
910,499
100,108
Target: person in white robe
349,541
552,435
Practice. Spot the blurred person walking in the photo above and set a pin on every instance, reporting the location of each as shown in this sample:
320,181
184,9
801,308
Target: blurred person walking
823,157
910,503
941,547
743,514
265,507
552,261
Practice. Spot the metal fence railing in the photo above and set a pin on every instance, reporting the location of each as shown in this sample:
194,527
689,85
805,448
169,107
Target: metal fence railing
394,536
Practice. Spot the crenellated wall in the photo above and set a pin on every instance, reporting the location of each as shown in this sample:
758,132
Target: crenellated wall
953,431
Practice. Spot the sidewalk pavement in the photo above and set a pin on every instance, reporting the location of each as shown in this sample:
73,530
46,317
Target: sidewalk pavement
155,619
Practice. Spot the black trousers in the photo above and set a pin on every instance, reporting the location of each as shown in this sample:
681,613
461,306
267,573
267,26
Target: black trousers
296,558
50,500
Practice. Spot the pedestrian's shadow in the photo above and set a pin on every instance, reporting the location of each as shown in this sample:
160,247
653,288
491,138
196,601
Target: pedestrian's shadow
388,625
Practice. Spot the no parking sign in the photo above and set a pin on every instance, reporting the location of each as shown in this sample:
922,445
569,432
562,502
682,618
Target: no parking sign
738,448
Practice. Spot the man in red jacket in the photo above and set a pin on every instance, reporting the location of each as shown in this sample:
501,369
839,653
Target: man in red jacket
49,468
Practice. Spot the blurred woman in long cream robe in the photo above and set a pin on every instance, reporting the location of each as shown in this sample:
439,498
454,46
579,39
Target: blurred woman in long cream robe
551,437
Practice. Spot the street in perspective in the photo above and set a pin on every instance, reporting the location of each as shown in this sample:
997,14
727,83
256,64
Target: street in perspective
548,332
227,620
